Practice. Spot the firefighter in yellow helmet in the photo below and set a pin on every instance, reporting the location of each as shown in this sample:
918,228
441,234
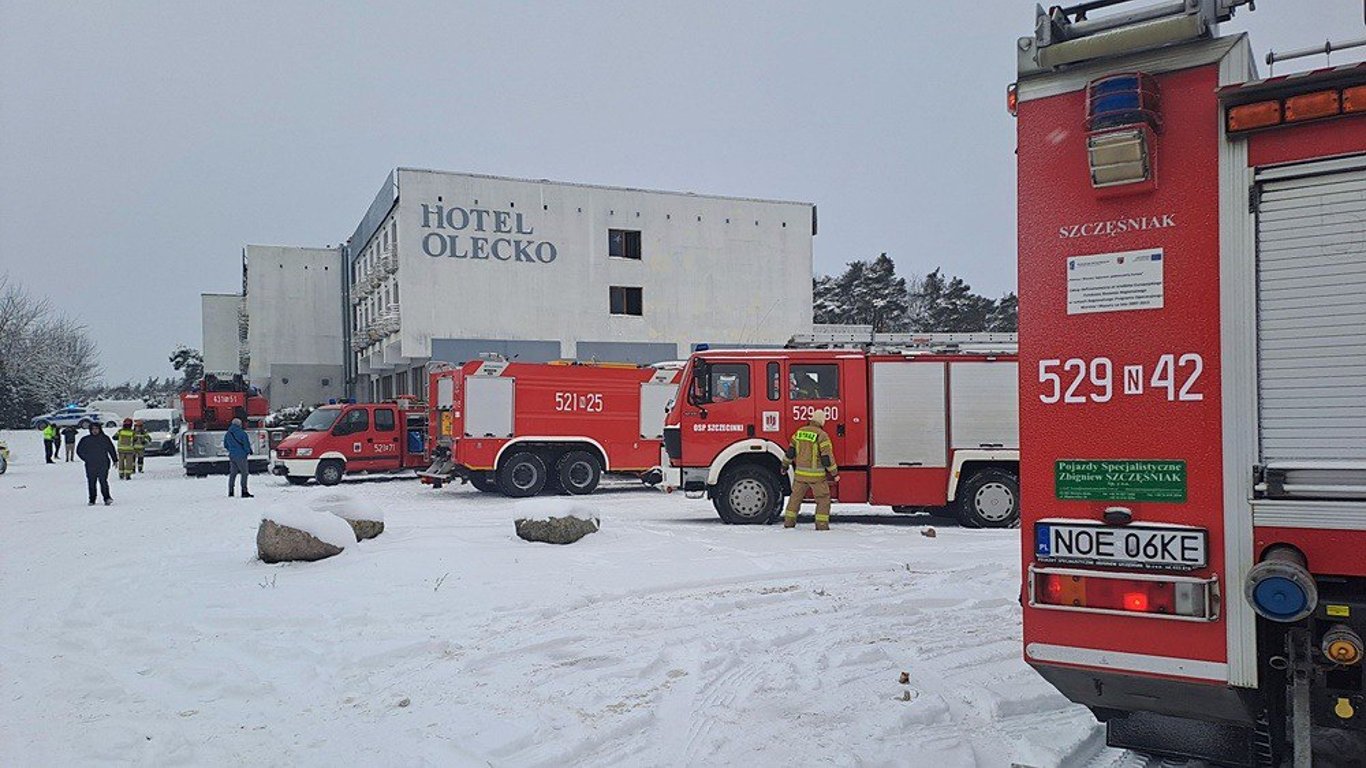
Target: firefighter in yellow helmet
812,462
126,440
141,439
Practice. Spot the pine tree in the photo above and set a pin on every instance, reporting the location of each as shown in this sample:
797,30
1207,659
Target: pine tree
191,362
1005,315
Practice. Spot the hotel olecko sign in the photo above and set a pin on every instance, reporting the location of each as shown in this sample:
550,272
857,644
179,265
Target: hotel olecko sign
481,233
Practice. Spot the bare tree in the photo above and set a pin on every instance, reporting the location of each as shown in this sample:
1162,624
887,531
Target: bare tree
46,358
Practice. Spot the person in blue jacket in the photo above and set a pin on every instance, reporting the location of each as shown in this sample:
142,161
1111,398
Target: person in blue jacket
238,445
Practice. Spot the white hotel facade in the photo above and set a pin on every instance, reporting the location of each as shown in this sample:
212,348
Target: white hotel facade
446,266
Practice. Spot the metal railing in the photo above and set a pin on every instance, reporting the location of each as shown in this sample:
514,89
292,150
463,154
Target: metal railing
1325,50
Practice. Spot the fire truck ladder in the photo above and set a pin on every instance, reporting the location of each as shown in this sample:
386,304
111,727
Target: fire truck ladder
1069,34
984,343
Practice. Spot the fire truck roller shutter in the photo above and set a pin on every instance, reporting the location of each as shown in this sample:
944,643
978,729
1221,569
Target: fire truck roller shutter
489,406
1311,288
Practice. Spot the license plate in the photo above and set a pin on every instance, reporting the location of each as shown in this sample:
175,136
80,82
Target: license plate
1171,548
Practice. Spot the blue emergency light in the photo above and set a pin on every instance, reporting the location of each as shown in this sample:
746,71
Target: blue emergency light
1130,98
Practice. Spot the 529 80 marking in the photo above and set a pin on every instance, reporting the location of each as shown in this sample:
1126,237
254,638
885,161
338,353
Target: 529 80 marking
1075,380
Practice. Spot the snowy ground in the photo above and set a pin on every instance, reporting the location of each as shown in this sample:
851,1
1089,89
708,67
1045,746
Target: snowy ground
147,633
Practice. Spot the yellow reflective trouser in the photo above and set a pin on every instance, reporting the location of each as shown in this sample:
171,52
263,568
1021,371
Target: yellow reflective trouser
820,489
127,464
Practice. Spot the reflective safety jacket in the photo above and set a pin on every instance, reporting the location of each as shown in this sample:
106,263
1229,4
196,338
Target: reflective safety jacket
810,453
141,439
49,432
126,439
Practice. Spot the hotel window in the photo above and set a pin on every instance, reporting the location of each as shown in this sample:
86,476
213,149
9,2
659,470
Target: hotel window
623,244
624,300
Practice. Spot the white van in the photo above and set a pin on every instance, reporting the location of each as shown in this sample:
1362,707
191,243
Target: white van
163,425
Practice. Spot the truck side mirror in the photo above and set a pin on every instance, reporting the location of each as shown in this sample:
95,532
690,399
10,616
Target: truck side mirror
699,388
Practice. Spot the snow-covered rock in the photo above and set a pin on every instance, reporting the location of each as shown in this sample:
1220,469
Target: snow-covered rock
539,520
288,534
366,519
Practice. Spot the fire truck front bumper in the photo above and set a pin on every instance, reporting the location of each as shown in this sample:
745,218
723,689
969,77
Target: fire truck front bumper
294,467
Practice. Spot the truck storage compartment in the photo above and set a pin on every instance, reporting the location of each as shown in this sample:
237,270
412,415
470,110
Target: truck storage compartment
1311,312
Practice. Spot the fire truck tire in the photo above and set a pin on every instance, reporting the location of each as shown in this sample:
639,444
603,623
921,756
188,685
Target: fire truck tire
747,495
484,481
330,472
296,480
989,499
578,473
522,475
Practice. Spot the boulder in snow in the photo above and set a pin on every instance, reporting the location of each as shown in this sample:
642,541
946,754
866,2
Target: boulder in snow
555,520
301,534
367,520
556,530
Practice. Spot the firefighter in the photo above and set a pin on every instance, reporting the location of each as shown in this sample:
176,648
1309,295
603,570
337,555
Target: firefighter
812,460
140,442
125,439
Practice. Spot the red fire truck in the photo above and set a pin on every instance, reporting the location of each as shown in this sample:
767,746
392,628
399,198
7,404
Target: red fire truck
1192,273
917,422
207,410
521,428
353,438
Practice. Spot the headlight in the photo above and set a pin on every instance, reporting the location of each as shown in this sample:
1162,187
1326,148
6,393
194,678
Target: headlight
305,452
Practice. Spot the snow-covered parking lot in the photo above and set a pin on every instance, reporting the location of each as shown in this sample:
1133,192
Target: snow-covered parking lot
148,633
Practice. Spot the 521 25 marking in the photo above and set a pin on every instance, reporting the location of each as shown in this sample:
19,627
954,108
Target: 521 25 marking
1075,380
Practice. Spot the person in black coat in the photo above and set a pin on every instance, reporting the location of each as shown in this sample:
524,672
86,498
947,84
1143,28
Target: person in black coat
97,451
69,433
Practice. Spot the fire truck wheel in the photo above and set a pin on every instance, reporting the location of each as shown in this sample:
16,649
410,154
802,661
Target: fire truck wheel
989,499
330,472
522,475
296,480
747,495
484,481
578,473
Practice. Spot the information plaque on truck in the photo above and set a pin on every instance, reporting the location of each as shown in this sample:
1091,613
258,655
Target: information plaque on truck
1127,480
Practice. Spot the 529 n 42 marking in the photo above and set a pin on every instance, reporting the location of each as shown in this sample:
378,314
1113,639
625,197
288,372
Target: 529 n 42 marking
1075,380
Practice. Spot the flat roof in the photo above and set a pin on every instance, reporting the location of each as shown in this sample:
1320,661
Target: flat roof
601,186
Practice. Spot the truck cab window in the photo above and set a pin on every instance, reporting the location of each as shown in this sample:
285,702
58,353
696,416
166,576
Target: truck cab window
814,381
354,421
729,381
775,381
384,419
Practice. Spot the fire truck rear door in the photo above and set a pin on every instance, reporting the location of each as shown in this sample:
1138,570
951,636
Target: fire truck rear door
1311,309
817,384
384,442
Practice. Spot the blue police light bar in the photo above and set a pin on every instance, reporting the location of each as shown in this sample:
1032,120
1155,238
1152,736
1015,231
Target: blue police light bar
701,347
1130,98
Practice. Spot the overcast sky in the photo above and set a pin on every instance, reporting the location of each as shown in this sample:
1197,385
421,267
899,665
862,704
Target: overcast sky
142,144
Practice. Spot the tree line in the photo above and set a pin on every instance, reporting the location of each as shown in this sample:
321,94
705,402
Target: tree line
46,358
869,292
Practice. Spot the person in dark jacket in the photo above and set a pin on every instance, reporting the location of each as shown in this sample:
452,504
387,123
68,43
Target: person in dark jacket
238,445
97,451
69,433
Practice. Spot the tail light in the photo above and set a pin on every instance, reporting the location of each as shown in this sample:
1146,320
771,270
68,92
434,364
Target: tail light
1174,597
